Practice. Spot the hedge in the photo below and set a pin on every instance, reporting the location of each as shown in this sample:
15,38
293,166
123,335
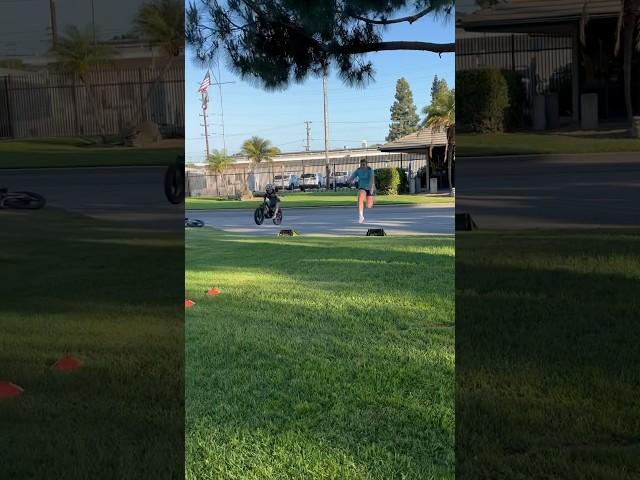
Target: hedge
484,99
387,181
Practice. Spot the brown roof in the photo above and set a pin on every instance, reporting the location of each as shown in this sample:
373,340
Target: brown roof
526,12
418,141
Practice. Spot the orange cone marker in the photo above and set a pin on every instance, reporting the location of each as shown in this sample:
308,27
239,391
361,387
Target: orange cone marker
189,303
213,292
66,363
10,390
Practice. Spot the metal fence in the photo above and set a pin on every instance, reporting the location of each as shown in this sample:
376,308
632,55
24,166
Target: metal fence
57,104
544,62
233,182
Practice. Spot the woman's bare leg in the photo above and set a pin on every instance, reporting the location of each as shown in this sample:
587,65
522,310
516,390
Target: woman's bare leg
362,197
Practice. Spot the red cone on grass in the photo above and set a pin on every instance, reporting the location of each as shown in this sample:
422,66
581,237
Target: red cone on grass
213,292
189,303
10,390
66,363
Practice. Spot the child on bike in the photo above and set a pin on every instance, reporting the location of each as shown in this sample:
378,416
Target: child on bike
271,198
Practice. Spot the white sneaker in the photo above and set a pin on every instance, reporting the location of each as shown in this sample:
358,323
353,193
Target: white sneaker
361,219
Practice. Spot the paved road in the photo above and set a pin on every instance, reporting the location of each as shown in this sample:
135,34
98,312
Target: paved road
396,220
550,191
128,194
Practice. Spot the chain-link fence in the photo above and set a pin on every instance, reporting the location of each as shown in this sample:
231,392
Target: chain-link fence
289,175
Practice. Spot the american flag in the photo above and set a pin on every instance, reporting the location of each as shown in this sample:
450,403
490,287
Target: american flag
206,81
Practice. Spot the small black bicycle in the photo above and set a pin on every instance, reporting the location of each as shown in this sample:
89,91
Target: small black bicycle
267,211
21,200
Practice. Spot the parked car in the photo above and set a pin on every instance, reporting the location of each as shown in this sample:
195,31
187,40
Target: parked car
311,180
338,179
287,181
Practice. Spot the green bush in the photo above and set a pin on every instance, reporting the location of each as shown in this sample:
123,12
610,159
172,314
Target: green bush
387,181
484,98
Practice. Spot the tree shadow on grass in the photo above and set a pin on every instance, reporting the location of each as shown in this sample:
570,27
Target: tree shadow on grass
96,290
547,365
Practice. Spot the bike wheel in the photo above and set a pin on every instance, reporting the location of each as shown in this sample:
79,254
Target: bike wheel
174,183
258,216
278,218
195,223
23,201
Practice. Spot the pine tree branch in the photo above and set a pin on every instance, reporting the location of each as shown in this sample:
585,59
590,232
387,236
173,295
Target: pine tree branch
438,48
409,18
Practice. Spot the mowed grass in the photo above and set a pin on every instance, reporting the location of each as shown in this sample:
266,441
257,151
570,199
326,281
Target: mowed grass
322,199
99,291
321,358
547,357
52,153
468,145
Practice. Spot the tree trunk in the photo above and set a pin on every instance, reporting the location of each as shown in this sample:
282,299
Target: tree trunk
629,27
449,156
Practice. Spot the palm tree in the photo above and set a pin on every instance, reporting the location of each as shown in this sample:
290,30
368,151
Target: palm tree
218,162
442,114
259,150
161,23
77,54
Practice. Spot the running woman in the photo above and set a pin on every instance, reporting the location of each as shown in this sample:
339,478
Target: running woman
366,187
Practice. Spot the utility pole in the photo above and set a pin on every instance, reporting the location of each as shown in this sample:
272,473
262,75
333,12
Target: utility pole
93,24
205,101
54,23
326,128
307,123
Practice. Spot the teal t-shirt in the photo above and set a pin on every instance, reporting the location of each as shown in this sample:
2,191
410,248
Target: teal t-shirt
364,177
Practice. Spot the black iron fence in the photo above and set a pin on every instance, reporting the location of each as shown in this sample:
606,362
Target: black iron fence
287,174
543,62
57,104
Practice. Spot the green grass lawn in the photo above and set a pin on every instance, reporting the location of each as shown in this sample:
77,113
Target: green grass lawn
323,199
78,153
98,291
529,143
322,358
547,357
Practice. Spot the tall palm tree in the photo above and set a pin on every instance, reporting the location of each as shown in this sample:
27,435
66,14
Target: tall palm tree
259,150
77,54
218,162
442,114
160,23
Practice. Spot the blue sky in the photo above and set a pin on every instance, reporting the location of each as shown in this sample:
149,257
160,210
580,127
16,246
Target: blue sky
354,114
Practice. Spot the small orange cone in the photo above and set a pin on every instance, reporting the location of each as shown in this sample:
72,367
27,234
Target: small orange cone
10,390
213,292
66,363
189,303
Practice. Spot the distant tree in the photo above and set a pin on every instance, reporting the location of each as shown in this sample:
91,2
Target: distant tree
160,23
76,54
259,150
438,85
442,114
404,118
218,162
276,42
